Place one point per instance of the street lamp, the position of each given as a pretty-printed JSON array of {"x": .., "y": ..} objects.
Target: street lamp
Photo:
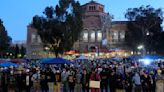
[{"x": 141, "y": 47}]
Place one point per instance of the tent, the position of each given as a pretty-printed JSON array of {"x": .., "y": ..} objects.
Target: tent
[
  {"x": 18, "y": 61},
  {"x": 57, "y": 61},
  {"x": 82, "y": 57},
  {"x": 8, "y": 64},
  {"x": 152, "y": 57},
  {"x": 45, "y": 60},
  {"x": 117, "y": 58}
]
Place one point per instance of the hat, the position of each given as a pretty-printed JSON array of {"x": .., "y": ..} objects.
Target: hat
[
  {"x": 151, "y": 72},
  {"x": 159, "y": 71},
  {"x": 37, "y": 68}
]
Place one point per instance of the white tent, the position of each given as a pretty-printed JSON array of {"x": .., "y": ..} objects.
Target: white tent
[{"x": 82, "y": 57}]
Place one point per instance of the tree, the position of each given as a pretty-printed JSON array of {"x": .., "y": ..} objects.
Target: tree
[
  {"x": 5, "y": 40},
  {"x": 22, "y": 51},
  {"x": 16, "y": 50},
  {"x": 160, "y": 46},
  {"x": 144, "y": 27},
  {"x": 60, "y": 27}
]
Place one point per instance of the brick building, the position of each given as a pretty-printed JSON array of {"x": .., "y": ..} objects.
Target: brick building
[
  {"x": 94, "y": 29},
  {"x": 99, "y": 31}
]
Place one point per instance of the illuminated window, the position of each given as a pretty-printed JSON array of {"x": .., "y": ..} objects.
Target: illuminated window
[
  {"x": 122, "y": 35},
  {"x": 33, "y": 38},
  {"x": 115, "y": 35},
  {"x": 39, "y": 39},
  {"x": 85, "y": 37},
  {"x": 92, "y": 36},
  {"x": 99, "y": 36}
]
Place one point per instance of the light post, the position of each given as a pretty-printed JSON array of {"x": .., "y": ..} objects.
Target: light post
[
  {"x": 141, "y": 48},
  {"x": 47, "y": 51}
]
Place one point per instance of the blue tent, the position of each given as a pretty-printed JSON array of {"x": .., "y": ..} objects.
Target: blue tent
[
  {"x": 134, "y": 57},
  {"x": 45, "y": 60},
  {"x": 117, "y": 58},
  {"x": 8, "y": 64},
  {"x": 153, "y": 57},
  {"x": 57, "y": 61}
]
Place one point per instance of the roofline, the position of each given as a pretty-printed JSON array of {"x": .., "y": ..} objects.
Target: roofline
[{"x": 92, "y": 2}]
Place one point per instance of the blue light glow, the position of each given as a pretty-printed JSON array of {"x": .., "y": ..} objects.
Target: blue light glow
[{"x": 145, "y": 61}]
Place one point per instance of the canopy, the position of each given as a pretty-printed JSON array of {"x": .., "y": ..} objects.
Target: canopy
[
  {"x": 82, "y": 57},
  {"x": 45, "y": 59},
  {"x": 153, "y": 57},
  {"x": 8, "y": 64},
  {"x": 117, "y": 59},
  {"x": 18, "y": 61},
  {"x": 57, "y": 61},
  {"x": 134, "y": 57}
]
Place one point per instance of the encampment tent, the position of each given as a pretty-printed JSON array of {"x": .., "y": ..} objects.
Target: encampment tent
[{"x": 57, "y": 61}]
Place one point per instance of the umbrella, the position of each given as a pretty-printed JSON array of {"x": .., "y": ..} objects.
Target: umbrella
[
  {"x": 57, "y": 61},
  {"x": 8, "y": 64}
]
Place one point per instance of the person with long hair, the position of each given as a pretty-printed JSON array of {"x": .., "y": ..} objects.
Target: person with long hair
[{"x": 95, "y": 77}]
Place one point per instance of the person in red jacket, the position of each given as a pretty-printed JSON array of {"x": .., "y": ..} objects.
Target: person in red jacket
[{"x": 95, "y": 77}]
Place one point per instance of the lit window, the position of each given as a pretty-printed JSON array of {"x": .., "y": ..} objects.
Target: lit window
[
  {"x": 99, "y": 36},
  {"x": 85, "y": 37},
  {"x": 115, "y": 35},
  {"x": 92, "y": 37},
  {"x": 39, "y": 39},
  {"x": 33, "y": 38},
  {"x": 122, "y": 35}
]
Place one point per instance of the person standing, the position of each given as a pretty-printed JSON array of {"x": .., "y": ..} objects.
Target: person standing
[
  {"x": 28, "y": 81},
  {"x": 19, "y": 81},
  {"x": 137, "y": 82},
  {"x": 128, "y": 82},
  {"x": 112, "y": 81},
  {"x": 119, "y": 83},
  {"x": 36, "y": 81},
  {"x": 95, "y": 77},
  {"x": 12, "y": 82},
  {"x": 58, "y": 81},
  {"x": 104, "y": 80},
  {"x": 64, "y": 76},
  {"x": 44, "y": 83},
  {"x": 159, "y": 81},
  {"x": 77, "y": 81},
  {"x": 85, "y": 81},
  {"x": 5, "y": 81},
  {"x": 71, "y": 82},
  {"x": 145, "y": 82},
  {"x": 51, "y": 80},
  {"x": 152, "y": 81}
]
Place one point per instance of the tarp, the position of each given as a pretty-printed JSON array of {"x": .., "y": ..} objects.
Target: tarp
[
  {"x": 82, "y": 57},
  {"x": 134, "y": 57},
  {"x": 153, "y": 57},
  {"x": 117, "y": 58},
  {"x": 18, "y": 61},
  {"x": 57, "y": 61},
  {"x": 8, "y": 64}
]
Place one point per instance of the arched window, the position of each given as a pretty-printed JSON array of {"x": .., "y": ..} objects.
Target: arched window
[
  {"x": 92, "y": 36},
  {"x": 85, "y": 36},
  {"x": 99, "y": 36},
  {"x": 122, "y": 35}
]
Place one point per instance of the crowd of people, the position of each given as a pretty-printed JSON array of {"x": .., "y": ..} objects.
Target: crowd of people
[{"x": 113, "y": 77}]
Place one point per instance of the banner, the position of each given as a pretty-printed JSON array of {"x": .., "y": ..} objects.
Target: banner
[{"x": 94, "y": 84}]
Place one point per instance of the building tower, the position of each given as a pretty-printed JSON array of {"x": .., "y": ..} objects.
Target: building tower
[{"x": 94, "y": 26}]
